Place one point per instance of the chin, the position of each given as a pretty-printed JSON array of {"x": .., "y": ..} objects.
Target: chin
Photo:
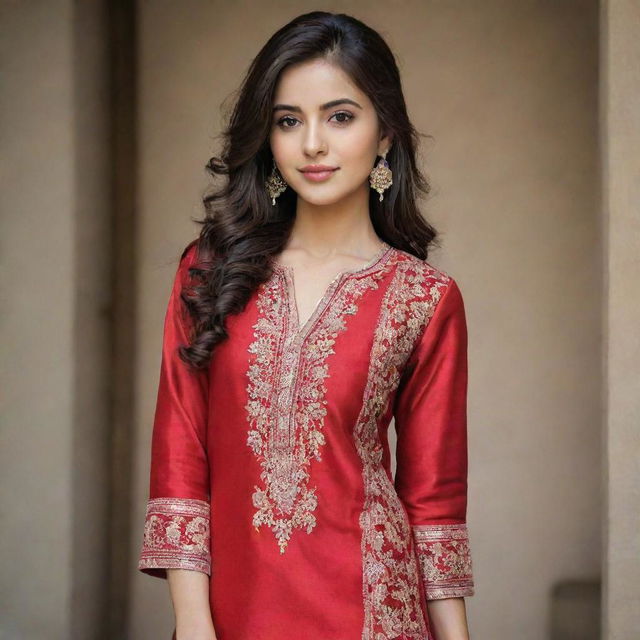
[
  {"x": 320, "y": 200},
  {"x": 318, "y": 197}
]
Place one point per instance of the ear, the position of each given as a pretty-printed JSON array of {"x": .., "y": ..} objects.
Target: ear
[{"x": 384, "y": 143}]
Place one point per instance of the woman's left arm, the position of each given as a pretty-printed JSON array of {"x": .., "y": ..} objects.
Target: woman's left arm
[
  {"x": 448, "y": 617},
  {"x": 431, "y": 454}
]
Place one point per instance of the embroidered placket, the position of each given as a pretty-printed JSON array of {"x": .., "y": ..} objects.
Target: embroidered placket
[{"x": 286, "y": 408}]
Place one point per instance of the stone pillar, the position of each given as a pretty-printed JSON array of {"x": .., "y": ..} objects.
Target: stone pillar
[
  {"x": 55, "y": 283},
  {"x": 620, "y": 144}
]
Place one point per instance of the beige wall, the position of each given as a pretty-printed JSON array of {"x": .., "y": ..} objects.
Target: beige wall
[
  {"x": 55, "y": 287},
  {"x": 38, "y": 434},
  {"x": 620, "y": 100},
  {"x": 509, "y": 90}
]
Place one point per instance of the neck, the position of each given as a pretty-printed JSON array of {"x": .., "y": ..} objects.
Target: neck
[{"x": 340, "y": 228}]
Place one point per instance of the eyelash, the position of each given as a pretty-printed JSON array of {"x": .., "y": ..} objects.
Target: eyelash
[{"x": 280, "y": 122}]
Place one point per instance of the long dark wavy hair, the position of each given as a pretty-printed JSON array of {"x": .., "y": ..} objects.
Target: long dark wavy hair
[{"x": 242, "y": 229}]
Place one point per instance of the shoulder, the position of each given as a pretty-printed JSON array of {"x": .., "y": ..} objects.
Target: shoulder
[
  {"x": 194, "y": 261},
  {"x": 189, "y": 254},
  {"x": 432, "y": 281},
  {"x": 428, "y": 301},
  {"x": 183, "y": 274}
]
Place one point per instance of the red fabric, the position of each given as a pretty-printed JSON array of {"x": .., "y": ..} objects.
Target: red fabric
[
  {"x": 285, "y": 437},
  {"x": 431, "y": 476},
  {"x": 179, "y": 439}
]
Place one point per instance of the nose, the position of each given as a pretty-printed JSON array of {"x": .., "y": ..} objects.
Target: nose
[{"x": 313, "y": 141}]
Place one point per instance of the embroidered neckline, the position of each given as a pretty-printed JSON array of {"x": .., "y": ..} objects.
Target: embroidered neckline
[{"x": 287, "y": 273}]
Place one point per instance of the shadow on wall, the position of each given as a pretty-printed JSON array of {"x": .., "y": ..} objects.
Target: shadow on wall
[{"x": 575, "y": 610}]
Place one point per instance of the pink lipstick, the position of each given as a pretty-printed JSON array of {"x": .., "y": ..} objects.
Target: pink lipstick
[{"x": 318, "y": 172}]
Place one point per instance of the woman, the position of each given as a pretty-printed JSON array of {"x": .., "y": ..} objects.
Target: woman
[{"x": 303, "y": 318}]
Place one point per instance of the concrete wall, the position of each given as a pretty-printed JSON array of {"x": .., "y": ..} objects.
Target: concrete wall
[
  {"x": 55, "y": 247},
  {"x": 620, "y": 100},
  {"x": 509, "y": 90}
]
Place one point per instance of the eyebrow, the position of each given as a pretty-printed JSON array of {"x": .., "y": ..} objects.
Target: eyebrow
[{"x": 323, "y": 107}]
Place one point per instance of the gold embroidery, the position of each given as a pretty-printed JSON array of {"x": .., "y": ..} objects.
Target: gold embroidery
[
  {"x": 445, "y": 560},
  {"x": 391, "y": 575},
  {"x": 176, "y": 535},
  {"x": 286, "y": 407}
]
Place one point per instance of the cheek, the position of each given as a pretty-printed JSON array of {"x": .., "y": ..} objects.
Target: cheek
[
  {"x": 358, "y": 155},
  {"x": 283, "y": 148},
  {"x": 274, "y": 143},
  {"x": 358, "y": 146}
]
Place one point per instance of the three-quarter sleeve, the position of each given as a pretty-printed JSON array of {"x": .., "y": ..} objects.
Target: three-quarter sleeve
[
  {"x": 430, "y": 411},
  {"x": 177, "y": 522}
]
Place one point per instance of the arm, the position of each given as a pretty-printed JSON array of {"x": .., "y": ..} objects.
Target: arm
[
  {"x": 190, "y": 598},
  {"x": 448, "y": 618},
  {"x": 431, "y": 454},
  {"x": 176, "y": 543}
]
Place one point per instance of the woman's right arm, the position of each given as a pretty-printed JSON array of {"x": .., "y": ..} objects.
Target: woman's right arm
[
  {"x": 190, "y": 597},
  {"x": 176, "y": 541}
]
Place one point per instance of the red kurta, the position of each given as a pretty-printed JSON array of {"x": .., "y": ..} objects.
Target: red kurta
[{"x": 271, "y": 473}]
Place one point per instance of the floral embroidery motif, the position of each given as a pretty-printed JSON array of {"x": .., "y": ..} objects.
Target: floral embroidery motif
[
  {"x": 176, "y": 536},
  {"x": 391, "y": 574},
  {"x": 445, "y": 560},
  {"x": 287, "y": 372}
]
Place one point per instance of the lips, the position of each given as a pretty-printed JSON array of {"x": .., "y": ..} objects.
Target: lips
[
  {"x": 318, "y": 175},
  {"x": 317, "y": 168},
  {"x": 318, "y": 172}
]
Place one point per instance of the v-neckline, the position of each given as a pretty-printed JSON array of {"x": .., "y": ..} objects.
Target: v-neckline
[{"x": 287, "y": 272}]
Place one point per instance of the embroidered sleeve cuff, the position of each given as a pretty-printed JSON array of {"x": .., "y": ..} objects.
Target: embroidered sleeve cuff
[
  {"x": 176, "y": 536},
  {"x": 445, "y": 560}
]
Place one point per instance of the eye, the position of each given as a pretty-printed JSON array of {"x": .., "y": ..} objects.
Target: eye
[
  {"x": 342, "y": 117},
  {"x": 282, "y": 120},
  {"x": 345, "y": 114}
]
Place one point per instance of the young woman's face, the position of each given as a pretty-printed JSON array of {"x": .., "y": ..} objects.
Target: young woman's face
[{"x": 321, "y": 118}]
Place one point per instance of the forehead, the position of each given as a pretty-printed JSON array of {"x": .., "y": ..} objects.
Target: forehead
[{"x": 315, "y": 82}]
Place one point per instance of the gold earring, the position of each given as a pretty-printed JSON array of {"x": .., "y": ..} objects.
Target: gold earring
[
  {"x": 275, "y": 184},
  {"x": 381, "y": 177}
]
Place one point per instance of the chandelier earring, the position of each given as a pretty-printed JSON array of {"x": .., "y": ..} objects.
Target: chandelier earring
[
  {"x": 381, "y": 177},
  {"x": 275, "y": 184}
]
